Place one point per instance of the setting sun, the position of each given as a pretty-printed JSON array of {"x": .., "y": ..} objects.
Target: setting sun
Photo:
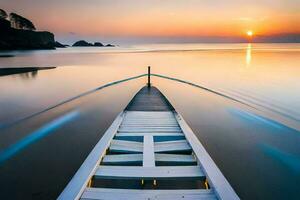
[{"x": 250, "y": 33}]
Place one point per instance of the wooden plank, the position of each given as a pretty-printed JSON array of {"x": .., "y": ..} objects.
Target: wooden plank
[
  {"x": 150, "y": 123},
  {"x": 148, "y": 152},
  {"x": 116, "y": 194},
  {"x": 149, "y": 131},
  {"x": 122, "y": 159},
  {"x": 175, "y": 158},
  {"x": 149, "y": 126},
  {"x": 166, "y": 118},
  {"x": 152, "y": 134},
  {"x": 150, "y": 173},
  {"x": 125, "y": 146},
  {"x": 151, "y": 113},
  {"x": 215, "y": 177},
  {"x": 158, "y": 137},
  {"x": 152, "y": 116},
  {"x": 76, "y": 186},
  {"x": 172, "y": 146}
]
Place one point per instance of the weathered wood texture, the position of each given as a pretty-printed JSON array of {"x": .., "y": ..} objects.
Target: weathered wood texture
[{"x": 149, "y": 99}]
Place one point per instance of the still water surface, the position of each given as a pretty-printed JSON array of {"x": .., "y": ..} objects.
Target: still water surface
[{"x": 255, "y": 146}]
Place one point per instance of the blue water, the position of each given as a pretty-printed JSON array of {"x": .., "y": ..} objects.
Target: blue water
[
  {"x": 248, "y": 116},
  {"x": 292, "y": 162},
  {"x": 37, "y": 135}
]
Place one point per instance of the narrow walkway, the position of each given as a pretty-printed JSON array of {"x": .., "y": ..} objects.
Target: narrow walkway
[
  {"x": 149, "y": 156},
  {"x": 149, "y": 99}
]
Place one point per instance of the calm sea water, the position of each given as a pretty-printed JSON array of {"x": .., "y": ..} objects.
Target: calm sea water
[{"x": 256, "y": 145}]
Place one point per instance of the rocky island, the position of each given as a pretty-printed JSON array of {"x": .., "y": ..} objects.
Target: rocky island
[{"x": 83, "y": 43}]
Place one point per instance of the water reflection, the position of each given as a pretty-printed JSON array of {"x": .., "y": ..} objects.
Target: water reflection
[
  {"x": 37, "y": 135},
  {"x": 248, "y": 54},
  {"x": 289, "y": 160},
  {"x": 232, "y": 139},
  {"x": 29, "y": 75}
]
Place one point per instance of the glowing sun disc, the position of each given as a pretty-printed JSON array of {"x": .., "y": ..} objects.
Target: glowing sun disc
[{"x": 249, "y": 33}]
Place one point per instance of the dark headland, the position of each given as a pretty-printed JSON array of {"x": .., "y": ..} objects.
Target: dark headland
[{"x": 19, "y": 33}]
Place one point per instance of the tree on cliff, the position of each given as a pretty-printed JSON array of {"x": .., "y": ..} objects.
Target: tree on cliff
[
  {"x": 3, "y": 14},
  {"x": 20, "y": 22}
]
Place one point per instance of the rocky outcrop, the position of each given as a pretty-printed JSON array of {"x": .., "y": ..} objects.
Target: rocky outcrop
[
  {"x": 23, "y": 36},
  {"x": 59, "y": 45},
  {"x": 110, "y": 45},
  {"x": 83, "y": 43},
  {"x": 98, "y": 44}
]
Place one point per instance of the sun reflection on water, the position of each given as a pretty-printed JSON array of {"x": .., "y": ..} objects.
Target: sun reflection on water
[{"x": 248, "y": 54}]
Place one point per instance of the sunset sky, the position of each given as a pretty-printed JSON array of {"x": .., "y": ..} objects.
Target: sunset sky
[{"x": 188, "y": 19}]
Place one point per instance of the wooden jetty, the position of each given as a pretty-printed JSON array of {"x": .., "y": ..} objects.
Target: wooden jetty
[{"x": 148, "y": 152}]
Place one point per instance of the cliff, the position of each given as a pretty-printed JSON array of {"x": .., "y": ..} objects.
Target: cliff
[{"x": 24, "y": 36}]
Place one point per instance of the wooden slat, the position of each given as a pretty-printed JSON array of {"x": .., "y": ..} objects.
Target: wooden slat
[
  {"x": 116, "y": 194},
  {"x": 149, "y": 125},
  {"x": 148, "y": 152},
  {"x": 152, "y": 118},
  {"x": 150, "y": 131},
  {"x": 149, "y": 173},
  {"x": 158, "y": 137},
  {"x": 149, "y": 122},
  {"x": 152, "y": 134},
  {"x": 172, "y": 146},
  {"x": 149, "y": 128},
  {"x": 122, "y": 159},
  {"x": 125, "y": 146},
  {"x": 175, "y": 158},
  {"x": 151, "y": 113}
]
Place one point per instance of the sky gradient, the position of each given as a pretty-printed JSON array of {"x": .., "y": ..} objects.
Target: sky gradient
[{"x": 187, "y": 19}]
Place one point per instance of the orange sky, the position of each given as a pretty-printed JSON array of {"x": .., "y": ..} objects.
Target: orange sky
[{"x": 188, "y": 18}]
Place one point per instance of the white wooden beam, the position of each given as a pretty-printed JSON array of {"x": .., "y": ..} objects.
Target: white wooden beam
[
  {"x": 116, "y": 194},
  {"x": 149, "y": 173},
  {"x": 148, "y": 152}
]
